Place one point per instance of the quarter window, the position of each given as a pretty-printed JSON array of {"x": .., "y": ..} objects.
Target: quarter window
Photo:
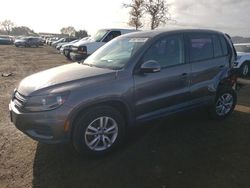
[
  {"x": 200, "y": 47},
  {"x": 167, "y": 51}
]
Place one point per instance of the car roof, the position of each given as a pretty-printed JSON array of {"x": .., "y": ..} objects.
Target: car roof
[
  {"x": 120, "y": 29},
  {"x": 150, "y": 34}
]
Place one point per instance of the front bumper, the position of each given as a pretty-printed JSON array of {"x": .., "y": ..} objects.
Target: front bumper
[{"x": 46, "y": 127}]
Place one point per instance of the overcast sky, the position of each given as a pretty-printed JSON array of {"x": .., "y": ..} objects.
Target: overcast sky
[{"x": 231, "y": 16}]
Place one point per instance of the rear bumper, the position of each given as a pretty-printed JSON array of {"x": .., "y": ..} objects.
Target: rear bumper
[{"x": 46, "y": 127}]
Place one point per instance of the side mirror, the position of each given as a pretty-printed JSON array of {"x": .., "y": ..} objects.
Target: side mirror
[{"x": 150, "y": 66}]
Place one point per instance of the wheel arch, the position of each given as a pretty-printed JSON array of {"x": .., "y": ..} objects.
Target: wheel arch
[
  {"x": 119, "y": 105},
  {"x": 227, "y": 79}
]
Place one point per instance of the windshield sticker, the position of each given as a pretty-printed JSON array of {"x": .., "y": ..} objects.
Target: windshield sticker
[{"x": 138, "y": 40}]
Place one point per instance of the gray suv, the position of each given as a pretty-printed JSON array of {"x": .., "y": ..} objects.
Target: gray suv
[{"x": 134, "y": 78}]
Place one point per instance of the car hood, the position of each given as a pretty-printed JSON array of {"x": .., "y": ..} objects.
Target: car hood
[
  {"x": 82, "y": 42},
  {"x": 19, "y": 40},
  {"x": 242, "y": 54},
  {"x": 59, "y": 75}
]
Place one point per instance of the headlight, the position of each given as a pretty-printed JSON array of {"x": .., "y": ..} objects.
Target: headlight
[
  {"x": 47, "y": 102},
  {"x": 82, "y": 49}
]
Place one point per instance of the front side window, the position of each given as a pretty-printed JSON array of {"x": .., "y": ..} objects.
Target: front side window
[
  {"x": 167, "y": 52},
  {"x": 112, "y": 35},
  {"x": 200, "y": 47}
]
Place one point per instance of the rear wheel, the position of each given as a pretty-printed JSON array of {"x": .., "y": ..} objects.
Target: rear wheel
[
  {"x": 98, "y": 131},
  {"x": 224, "y": 103}
]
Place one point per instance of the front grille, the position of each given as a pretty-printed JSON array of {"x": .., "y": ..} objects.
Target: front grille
[{"x": 19, "y": 100}]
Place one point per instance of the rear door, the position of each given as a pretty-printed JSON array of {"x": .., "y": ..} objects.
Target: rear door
[
  {"x": 161, "y": 92},
  {"x": 208, "y": 61}
]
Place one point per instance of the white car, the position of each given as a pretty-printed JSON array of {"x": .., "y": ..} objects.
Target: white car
[
  {"x": 243, "y": 58},
  {"x": 83, "y": 49}
]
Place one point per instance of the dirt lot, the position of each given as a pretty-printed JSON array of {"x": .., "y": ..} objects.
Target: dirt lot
[{"x": 188, "y": 152}]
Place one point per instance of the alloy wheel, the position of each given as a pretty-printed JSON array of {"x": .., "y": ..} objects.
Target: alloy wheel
[
  {"x": 101, "y": 133},
  {"x": 224, "y": 104}
]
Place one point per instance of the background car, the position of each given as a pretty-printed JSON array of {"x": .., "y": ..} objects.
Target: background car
[
  {"x": 83, "y": 49},
  {"x": 50, "y": 40},
  {"x": 66, "y": 48},
  {"x": 28, "y": 42},
  {"x": 5, "y": 40},
  {"x": 243, "y": 58},
  {"x": 58, "y": 45}
]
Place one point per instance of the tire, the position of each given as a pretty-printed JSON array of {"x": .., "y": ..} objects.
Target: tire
[
  {"x": 91, "y": 137},
  {"x": 224, "y": 104},
  {"x": 244, "y": 69}
]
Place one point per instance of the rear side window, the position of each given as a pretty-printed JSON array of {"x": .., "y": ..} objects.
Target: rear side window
[
  {"x": 200, "y": 47},
  {"x": 224, "y": 45},
  {"x": 217, "y": 46}
]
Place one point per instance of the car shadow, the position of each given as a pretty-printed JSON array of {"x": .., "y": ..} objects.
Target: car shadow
[{"x": 185, "y": 150}]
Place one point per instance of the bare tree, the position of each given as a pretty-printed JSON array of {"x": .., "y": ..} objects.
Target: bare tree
[
  {"x": 136, "y": 13},
  {"x": 7, "y": 25},
  {"x": 158, "y": 11},
  {"x": 70, "y": 31}
]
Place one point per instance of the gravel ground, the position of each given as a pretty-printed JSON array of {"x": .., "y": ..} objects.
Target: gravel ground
[{"x": 191, "y": 151}]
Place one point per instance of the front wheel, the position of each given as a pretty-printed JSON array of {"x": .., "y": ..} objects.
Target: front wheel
[
  {"x": 98, "y": 131},
  {"x": 224, "y": 103}
]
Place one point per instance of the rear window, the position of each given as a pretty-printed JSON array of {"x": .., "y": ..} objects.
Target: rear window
[{"x": 200, "y": 47}]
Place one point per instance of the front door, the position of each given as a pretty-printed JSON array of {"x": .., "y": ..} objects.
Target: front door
[{"x": 158, "y": 93}]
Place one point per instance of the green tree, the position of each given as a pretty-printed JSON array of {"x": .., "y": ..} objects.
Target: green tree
[
  {"x": 70, "y": 31},
  {"x": 22, "y": 30},
  {"x": 81, "y": 34}
]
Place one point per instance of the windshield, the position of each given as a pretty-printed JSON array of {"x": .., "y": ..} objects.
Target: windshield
[
  {"x": 99, "y": 35},
  {"x": 116, "y": 53},
  {"x": 242, "y": 48}
]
